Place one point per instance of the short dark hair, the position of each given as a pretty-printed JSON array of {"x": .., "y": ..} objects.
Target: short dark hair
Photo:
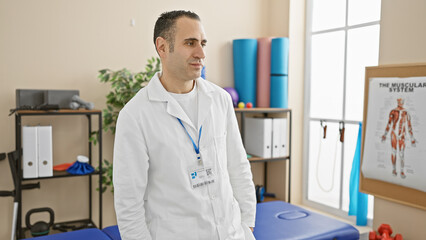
[{"x": 165, "y": 26}]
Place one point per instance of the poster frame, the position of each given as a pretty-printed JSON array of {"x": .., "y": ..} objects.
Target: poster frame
[{"x": 389, "y": 191}]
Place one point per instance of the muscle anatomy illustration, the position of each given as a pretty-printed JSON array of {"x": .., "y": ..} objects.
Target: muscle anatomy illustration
[{"x": 399, "y": 124}]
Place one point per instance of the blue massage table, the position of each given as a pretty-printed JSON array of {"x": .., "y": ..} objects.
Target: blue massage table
[
  {"x": 84, "y": 234},
  {"x": 280, "y": 220},
  {"x": 274, "y": 221},
  {"x": 112, "y": 232},
  {"x": 108, "y": 233}
]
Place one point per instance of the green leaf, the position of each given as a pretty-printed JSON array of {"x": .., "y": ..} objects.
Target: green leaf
[{"x": 124, "y": 86}]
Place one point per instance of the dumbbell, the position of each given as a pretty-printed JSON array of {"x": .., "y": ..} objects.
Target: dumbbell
[
  {"x": 385, "y": 231},
  {"x": 77, "y": 102}
]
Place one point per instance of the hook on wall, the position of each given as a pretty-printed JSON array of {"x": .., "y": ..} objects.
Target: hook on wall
[
  {"x": 342, "y": 131},
  {"x": 324, "y": 127}
]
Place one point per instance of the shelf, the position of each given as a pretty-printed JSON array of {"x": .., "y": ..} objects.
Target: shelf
[
  {"x": 270, "y": 199},
  {"x": 59, "y": 112},
  {"x": 61, "y": 174},
  {"x": 242, "y": 114},
  {"x": 19, "y": 115},
  {"x": 261, "y": 110},
  {"x": 260, "y": 159},
  {"x": 80, "y": 224}
]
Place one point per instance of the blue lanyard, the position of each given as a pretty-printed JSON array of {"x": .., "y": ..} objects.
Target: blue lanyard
[{"x": 196, "y": 148}]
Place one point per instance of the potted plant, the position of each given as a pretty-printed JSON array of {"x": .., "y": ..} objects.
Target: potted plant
[{"x": 124, "y": 85}]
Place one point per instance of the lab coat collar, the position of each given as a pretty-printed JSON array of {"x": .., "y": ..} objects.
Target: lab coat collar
[
  {"x": 205, "y": 92},
  {"x": 157, "y": 92}
]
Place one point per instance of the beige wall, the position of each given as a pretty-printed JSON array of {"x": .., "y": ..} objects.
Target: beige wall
[
  {"x": 62, "y": 44},
  {"x": 402, "y": 40},
  {"x": 291, "y": 25},
  {"x": 296, "y": 95}
]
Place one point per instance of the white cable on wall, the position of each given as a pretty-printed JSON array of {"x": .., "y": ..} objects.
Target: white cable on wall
[{"x": 334, "y": 165}]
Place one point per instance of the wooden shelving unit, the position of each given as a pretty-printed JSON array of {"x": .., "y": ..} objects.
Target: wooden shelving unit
[{"x": 266, "y": 112}]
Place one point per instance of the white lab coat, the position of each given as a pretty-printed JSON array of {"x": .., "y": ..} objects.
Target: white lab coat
[{"x": 152, "y": 159}]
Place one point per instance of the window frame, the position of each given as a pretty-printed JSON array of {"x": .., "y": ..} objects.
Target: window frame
[{"x": 307, "y": 118}]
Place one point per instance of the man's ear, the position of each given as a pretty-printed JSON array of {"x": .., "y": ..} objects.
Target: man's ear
[{"x": 162, "y": 46}]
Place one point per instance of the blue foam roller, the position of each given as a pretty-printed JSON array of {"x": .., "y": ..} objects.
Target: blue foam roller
[
  {"x": 245, "y": 69},
  {"x": 279, "y": 56},
  {"x": 279, "y": 92}
]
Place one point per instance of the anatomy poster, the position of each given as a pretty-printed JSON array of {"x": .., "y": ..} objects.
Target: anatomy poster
[{"x": 395, "y": 136}]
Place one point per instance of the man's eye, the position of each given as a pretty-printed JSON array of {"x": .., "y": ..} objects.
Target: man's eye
[{"x": 189, "y": 43}]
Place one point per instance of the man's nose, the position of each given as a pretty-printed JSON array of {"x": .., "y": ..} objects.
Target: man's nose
[{"x": 199, "y": 52}]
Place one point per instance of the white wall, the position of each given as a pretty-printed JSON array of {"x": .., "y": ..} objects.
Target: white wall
[{"x": 402, "y": 40}]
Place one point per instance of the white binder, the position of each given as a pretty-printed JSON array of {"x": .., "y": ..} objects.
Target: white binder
[
  {"x": 276, "y": 134},
  {"x": 283, "y": 139},
  {"x": 279, "y": 137},
  {"x": 29, "y": 152},
  {"x": 258, "y": 136},
  {"x": 45, "y": 164}
]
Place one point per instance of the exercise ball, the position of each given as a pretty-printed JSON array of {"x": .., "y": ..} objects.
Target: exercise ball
[{"x": 234, "y": 95}]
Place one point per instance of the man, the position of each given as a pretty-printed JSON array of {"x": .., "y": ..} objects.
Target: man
[
  {"x": 180, "y": 169},
  {"x": 400, "y": 121}
]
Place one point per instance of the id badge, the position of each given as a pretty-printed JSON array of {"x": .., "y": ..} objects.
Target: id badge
[{"x": 201, "y": 176}]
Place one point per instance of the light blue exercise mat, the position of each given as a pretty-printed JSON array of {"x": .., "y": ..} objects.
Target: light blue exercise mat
[
  {"x": 279, "y": 72},
  {"x": 245, "y": 69},
  {"x": 279, "y": 56},
  {"x": 279, "y": 92}
]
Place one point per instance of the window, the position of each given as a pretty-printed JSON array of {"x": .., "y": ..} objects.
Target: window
[{"x": 342, "y": 39}]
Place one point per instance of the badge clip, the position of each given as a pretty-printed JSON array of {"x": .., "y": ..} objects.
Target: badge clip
[{"x": 200, "y": 161}]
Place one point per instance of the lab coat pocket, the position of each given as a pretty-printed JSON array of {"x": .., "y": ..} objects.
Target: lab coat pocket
[
  {"x": 178, "y": 228},
  {"x": 248, "y": 234},
  {"x": 237, "y": 214},
  {"x": 220, "y": 144}
]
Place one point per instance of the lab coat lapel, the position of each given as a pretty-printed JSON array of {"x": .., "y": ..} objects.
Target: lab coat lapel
[
  {"x": 204, "y": 101},
  {"x": 157, "y": 92}
]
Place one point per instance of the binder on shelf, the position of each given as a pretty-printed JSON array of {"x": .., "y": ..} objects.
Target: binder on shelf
[
  {"x": 279, "y": 137},
  {"x": 258, "y": 136},
  {"x": 276, "y": 134},
  {"x": 283, "y": 138},
  {"x": 45, "y": 165},
  {"x": 29, "y": 152}
]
